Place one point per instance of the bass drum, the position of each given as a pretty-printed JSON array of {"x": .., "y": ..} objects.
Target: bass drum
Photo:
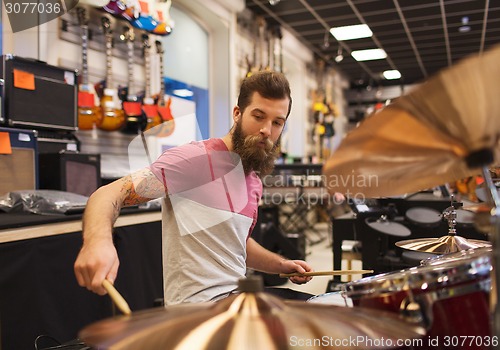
[
  {"x": 333, "y": 298},
  {"x": 451, "y": 295}
]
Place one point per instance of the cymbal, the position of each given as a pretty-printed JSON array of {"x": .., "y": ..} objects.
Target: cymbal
[
  {"x": 248, "y": 320},
  {"x": 442, "y": 245},
  {"x": 441, "y": 131}
]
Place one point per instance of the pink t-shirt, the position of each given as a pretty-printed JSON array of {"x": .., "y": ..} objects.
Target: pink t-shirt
[{"x": 209, "y": 212}]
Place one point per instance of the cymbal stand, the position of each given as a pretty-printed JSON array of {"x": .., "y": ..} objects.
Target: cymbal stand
[{"x": 494, "y": 201}]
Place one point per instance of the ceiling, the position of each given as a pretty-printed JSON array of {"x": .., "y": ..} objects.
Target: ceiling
[{"x": 420, "y": 37}]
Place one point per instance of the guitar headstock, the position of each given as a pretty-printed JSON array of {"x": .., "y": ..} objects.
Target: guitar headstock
[
  {"x": 145, "y": 41},
  {"x": 82, "y": 16},
  {"x": 159, "y": 48},
  {"x": 106, "y": 25},
  {"x": 128, "y": 34}
]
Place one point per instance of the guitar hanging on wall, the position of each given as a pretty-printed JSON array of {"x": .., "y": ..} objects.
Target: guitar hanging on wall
[
  {"x": 89, "y": 113},
  {"x": 113, "y": 116},
  {"x": 148, "y": 104},
  {"x": 135, "y": 120}
]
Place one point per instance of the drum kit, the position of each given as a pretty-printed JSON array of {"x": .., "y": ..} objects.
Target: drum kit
[{"x": 446, "y": 129}]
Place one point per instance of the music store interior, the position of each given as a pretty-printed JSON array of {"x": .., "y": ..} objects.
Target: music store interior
[{"x": 385, "y": 182}]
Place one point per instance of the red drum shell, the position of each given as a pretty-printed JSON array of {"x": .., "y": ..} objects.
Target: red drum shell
[{"x": 453, "y": 295}]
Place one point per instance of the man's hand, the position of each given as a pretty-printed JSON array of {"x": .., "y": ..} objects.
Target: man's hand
[
  {"x": 300, "y": 266},
  {"x": 96, "y": 262}
]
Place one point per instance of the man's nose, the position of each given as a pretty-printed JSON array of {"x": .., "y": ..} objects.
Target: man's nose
[{"x": 266, "y": 130}]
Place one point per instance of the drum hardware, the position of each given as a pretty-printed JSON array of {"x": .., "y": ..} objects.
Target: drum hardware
[
  {"x": 250, "y": 319},
  {"x": 446, "y": 244}
]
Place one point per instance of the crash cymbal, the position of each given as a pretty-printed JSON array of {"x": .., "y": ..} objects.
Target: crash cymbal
[
  {"x": 441, "y": 131},
  {"x": 249, "y": 320},
  {"x": 442, "y": 245}
]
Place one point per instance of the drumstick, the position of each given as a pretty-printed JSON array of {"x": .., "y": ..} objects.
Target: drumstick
[
  {"x": 116, "y": 297},
  {"x": 327, "y": 273}
]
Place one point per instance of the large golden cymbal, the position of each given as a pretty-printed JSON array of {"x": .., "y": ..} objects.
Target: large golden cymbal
[
  {"x": 249, "y": 321},
  {"x": 444, "y": 130},
  {"x": 443, "y": 245}
]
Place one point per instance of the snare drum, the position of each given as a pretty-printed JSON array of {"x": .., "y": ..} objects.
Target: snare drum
[
  {"x": 333, "y": 298},
  {"x": 452, "y": 295},
  {"x": 424, "y": 217}
]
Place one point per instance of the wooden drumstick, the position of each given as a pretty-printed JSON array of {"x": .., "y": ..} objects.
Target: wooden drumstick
[
  {"x": 327, "y": 273},
  {"x": 116, "y": 297}
]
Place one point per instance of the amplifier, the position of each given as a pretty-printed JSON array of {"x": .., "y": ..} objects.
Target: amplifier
[
  {"x": 18, "y": 160},
  {"x": 71, "y": 172},
  {"x": 37, "y": 95}
]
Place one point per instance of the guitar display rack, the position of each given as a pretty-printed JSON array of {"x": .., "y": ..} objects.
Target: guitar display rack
[{"x": 70, "y": 31}]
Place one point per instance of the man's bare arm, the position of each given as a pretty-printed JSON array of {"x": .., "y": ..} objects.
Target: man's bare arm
[{"x": 97, "y": 259}]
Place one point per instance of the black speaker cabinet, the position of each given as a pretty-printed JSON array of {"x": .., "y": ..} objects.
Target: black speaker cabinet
[
  {"x": 19, "y": 166},
  {"x": 70, "y": 172},
  {"x": 35, "y": 94}
]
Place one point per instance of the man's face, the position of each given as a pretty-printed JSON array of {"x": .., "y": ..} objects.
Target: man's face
[{"x": 257, "y": 132}]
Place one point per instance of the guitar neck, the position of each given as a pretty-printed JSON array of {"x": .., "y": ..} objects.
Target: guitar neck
[
  {"x": 161, "y": 99},
  {"x": 85, "y": 68},
  {"x": 147, "y": 67},
  {"x": 109, "y": 58},
  {"x": 130, "y": 47}
]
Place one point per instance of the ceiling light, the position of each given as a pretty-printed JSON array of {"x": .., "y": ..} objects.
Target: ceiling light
[
  {"x": 326, "y": 43},
  {"x": 339, "y": 56},
  {"x": 351, "y": 32},
  {"x": 368, "y": 55},
  {"x": 391, "y": 74},
  {"x": 274, "y": 2}
]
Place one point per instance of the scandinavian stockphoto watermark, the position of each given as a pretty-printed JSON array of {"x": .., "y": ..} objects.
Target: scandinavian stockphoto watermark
[
  {"x": 311, "y": 189},
  {"x": 28, "y": 14}
]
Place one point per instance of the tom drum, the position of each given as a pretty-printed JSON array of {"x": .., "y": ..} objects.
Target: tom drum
[{"x": 450, "y": 295}]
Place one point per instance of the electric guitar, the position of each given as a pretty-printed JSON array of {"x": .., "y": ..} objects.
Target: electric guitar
[
  {"x": 134, "y": 119},
  {"x": 162, "y": 106},
  {"x": 145, "y": 21},
  {"x": 148, "y": 104},
  {"x": 115, "y": 7},
  {"x": 113, "y": 116},
  {"x": 89, "y": 113},
  {"x": 165, "y": 22}
]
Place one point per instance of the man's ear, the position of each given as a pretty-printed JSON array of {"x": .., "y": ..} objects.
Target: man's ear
[{"x": 236, "y": 113}]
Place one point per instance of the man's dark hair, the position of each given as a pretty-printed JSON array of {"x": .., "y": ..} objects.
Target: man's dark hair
[{"x": 269, "y": 84}]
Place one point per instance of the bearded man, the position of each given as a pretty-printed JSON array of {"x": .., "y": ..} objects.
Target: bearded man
[{"x": 211, "y": 191}]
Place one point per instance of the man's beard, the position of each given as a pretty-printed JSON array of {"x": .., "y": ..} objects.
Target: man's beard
[{"x": 253, "y": 156}]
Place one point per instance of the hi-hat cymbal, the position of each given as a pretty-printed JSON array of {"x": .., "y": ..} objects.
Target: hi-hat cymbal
[
  {"x": 443, "y": 130},
  {"x": 249, "y": 321},
  {"x": 443, "y": 245}
]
